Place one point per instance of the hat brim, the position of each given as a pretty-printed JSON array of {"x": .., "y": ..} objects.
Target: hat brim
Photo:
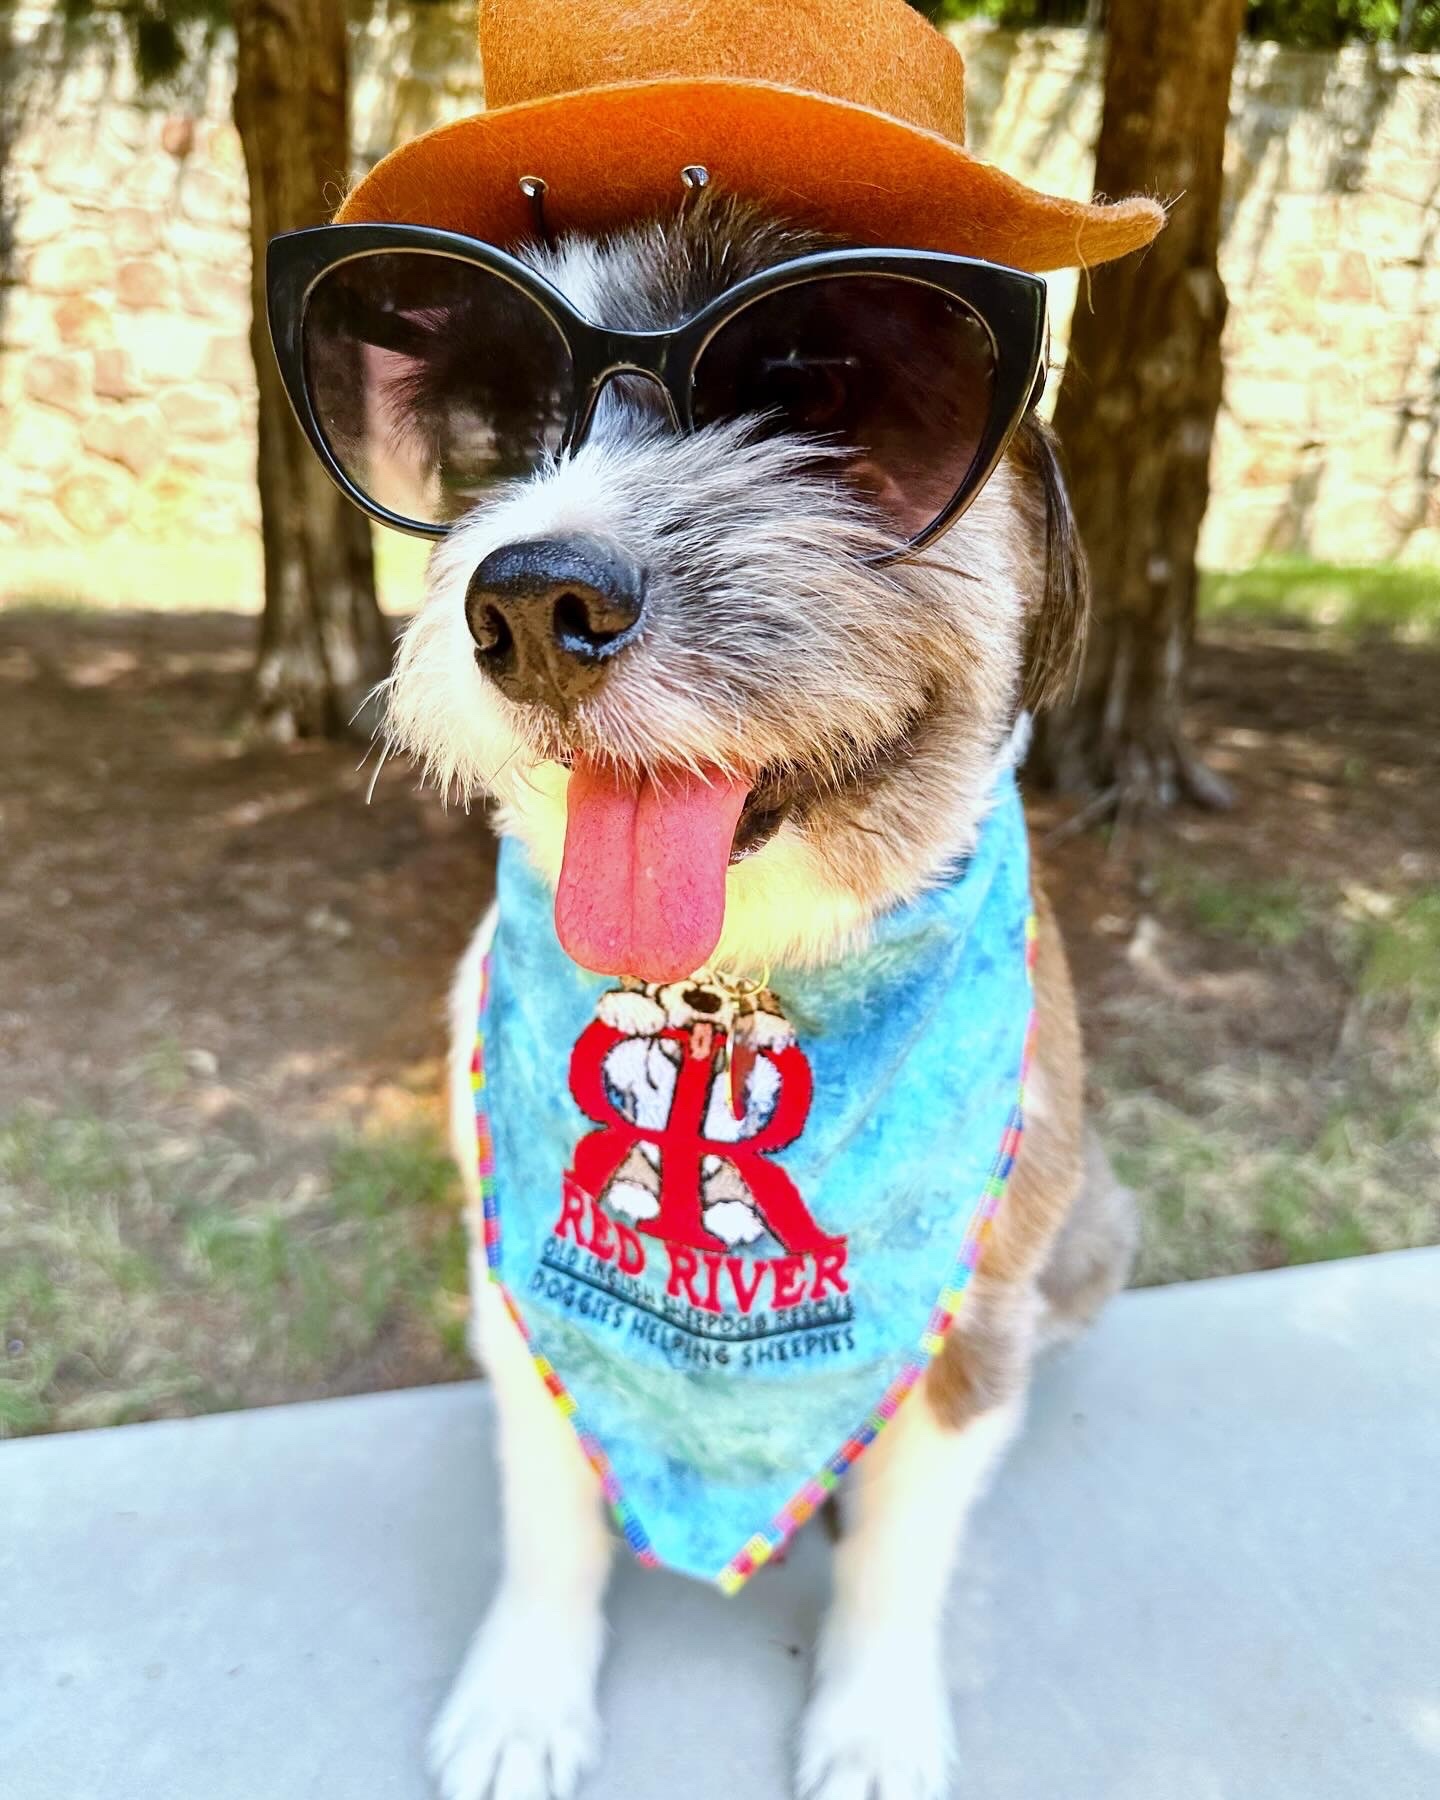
[{"x": 613, "y": 154}]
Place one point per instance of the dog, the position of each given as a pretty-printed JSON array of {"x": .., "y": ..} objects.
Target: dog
[
  {"x": 877, "y": 701},
  {"x": 752, "y": 554},
  {"x": 642, "y": 1070}
]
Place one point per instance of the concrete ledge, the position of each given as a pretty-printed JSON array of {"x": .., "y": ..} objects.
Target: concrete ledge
[{"x": 1210, "y": 1572}]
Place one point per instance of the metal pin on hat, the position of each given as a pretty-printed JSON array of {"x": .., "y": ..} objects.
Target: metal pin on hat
[
  {"x": 694, "y": 178},
  {"x": 535, "y": 188}
]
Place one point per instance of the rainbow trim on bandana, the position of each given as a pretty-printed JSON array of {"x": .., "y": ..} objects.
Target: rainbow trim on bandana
[
  {"x": 816, "y": 1491},
  {"x": 764, "y": 1545}
]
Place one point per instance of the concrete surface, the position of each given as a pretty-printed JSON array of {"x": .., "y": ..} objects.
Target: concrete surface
[{"x": 1210, "y": 1572}]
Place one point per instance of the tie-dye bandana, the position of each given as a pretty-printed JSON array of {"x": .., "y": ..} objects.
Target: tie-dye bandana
[{"x": 735, "y": 1222}]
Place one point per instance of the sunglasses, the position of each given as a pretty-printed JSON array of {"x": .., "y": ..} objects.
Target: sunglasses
[{"x": 427, "y": 368}]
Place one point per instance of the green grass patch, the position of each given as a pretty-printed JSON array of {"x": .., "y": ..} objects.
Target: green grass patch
[
  {"x": 1270, "y": 914},
  {"x": 45, "y": 600},
  {"x": 1222, "y": 1191},
  {"x": 149, "y": 1273},
  {"x": 1326, "y": 1147},
  {"x": 1385, "y": 599},
  {"x": 1399, "y": 953},
  {"x": 129, "y": 574}
]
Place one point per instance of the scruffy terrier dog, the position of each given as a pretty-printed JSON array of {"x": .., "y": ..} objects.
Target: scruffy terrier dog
[
  {"x": 752, "y": 554},
  {"x": 874, "y": 705}
]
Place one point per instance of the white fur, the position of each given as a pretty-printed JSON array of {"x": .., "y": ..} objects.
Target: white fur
[
  {"x": 779, "y": 905},
  {"x": 878, "y": 1724},
  {"x": 504, "y": 1732},
  {"x": 521, "y": 1721}
]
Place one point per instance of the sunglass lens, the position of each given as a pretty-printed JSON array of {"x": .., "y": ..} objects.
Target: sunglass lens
[
  {"x": 896, "y": 378},
  {"x": 432, "y": 380}
]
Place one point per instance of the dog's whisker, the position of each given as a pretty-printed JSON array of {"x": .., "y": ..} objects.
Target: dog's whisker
[
  {"x": 497, "y": 772},
  {"x": 379, "y": 768},
  {"x": 380, "y": 688}
]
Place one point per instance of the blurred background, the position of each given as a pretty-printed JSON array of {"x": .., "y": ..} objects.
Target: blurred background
[{"x": 222, "y": 1174}]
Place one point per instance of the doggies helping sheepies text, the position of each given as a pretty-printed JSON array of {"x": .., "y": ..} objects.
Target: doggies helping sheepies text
[
  {"x": 866, "y": 711},
  {"x": 751, "y": 553}
]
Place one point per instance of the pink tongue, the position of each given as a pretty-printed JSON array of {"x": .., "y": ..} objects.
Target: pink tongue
[{"x": 642, "y": 885}]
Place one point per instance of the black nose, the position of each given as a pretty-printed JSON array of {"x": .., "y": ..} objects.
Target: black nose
[{"x": 549, "y": 615}]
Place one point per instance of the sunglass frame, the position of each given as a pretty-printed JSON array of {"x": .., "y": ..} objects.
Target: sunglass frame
[{"x": 1009, "y": 303}]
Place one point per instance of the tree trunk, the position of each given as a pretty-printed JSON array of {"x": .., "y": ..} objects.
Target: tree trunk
[
  {"x": 1136, "y": 411},
  {"x": 323, "y": 640}
]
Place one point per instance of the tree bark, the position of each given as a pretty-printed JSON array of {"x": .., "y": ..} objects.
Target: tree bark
[
  {"x": 1137, "y": 405},
  {"x": 324, "y": 642}
]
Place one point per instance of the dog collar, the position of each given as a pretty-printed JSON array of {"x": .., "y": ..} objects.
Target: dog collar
[{"x": 734, "y": 1225}]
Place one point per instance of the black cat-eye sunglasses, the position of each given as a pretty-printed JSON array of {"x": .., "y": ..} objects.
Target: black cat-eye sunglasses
[{"x": 426, "y": 367}]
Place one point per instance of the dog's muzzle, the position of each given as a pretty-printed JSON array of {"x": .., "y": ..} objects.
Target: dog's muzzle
[{"x": 550, "y": 615}]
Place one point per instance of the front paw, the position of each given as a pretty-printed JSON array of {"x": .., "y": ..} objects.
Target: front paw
[
  {"x": 733, "y": 1222},
  {"x": 630, "y": 1198},
  {"x": 520, "y": 1721},
  {"x": 634, "y": 1014},
  {"x": 877, "y": 1729}
]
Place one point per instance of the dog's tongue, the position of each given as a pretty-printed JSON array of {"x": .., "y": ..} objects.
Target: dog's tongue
[{"x": 642, "y": 885}]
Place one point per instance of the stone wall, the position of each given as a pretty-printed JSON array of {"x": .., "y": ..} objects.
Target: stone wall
[
  {"x": 128, "y": 395},
  {"x": 126, "y": 381},
  {"x": 127, "y": 389},
  {"x": 1329, "y": 441}
]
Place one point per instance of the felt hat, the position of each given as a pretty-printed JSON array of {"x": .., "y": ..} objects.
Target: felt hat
[{"x": 845, "y": 115}]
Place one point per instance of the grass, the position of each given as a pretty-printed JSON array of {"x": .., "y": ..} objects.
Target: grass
[
  {"x": 1275, "y": 1157},
  {"x": 149, "y": 1273},
  {"x": 1398, "y": 951},
  {"x": 1391, "y": 599},
  {"x": 138, "y": 574},
  {"x": 1270, "y": 914}
]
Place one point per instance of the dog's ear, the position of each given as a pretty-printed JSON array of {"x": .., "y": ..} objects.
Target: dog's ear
[{"x": 1056, "y": 639}]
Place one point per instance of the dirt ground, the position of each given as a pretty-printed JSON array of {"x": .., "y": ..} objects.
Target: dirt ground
[{"x": 221, "y": 980}]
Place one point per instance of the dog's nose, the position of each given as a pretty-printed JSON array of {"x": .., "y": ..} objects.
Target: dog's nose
[{"x": 550, "y": 614}]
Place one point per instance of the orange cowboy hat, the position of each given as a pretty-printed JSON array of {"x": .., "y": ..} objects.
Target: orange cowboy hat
[{"x": 844, "y": 115}]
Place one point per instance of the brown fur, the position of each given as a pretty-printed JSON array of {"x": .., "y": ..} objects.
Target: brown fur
[
  {"x": 1047, "y": 1171},
  {"x": 1054, "y": 1203},
  {"x": 1056, "y": 639}
]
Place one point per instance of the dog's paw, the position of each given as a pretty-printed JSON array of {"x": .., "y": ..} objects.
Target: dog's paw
[
  {"x": 630, "y": 1198},
  {"x": 520, "y": 1721},
  {"x": 637, "y": 1015},
  {"x": 880, "y": 1731},
  {"x": 733, "y": 1222},
  {"x": 769, "y": 1031}
]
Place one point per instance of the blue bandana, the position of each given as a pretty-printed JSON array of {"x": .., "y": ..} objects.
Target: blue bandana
[{"x": 733, "y": 1222}]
